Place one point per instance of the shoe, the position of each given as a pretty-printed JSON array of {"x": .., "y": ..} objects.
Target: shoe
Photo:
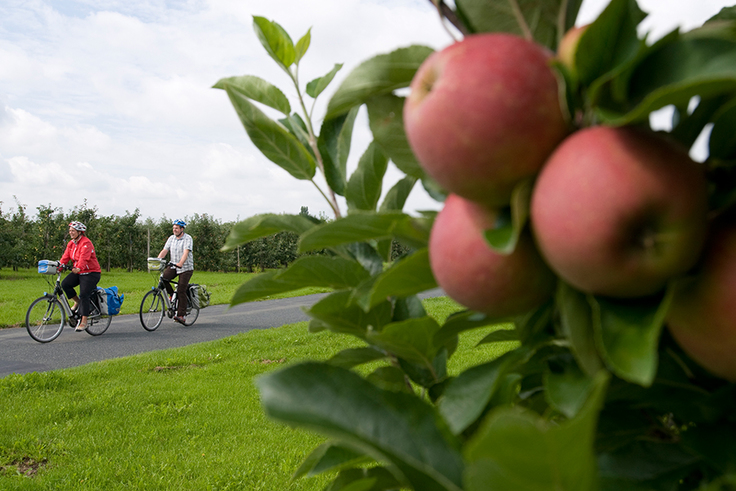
[
  {"x": 80, "y": 327},
  {"x": 180, "y": 319}
]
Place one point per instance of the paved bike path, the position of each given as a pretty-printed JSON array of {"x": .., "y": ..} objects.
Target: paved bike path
[{"x": 125, "y": 336}]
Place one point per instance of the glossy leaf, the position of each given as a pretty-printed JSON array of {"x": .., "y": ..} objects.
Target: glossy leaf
[
  {"x": 371, "y": 479},
  {"x": 512, "y": 220},
  {"x": 396, "y": 197},
  {"x": 257, "y": 89},
  {"x": 272, "y": 139},
  {"x": 390, "y": 378},
  {"x": 541, "y": 20},
  {"x": 339, "y": 313},
  {"x": 386, "y": 120},
  {"x": 466, "y": 397},
  {"x": 410, "y": 340},
  {"x": 327, "y": 457},
  {"x": 318, "y": 85},
  {"x": 628, "y": 334},
  {"x": 334, "y": 147},
  {"x": 302, "y": 46},
  {"x": 365, "y": 184},
  {"x": 409, "y": 276},
  {"x": 359, "y": 227},
  {"x": 277, "y": 42},
  {"x": 390, "y": 427},
  {"x": 722, "y": 141},
  {"x": 264, "y": 225},
  {"x": 379, "y": 75},
  {"x": 352, "y": 357},
  {"x": 517, "y": 449},
  {"x": 576, "y": 322},
  {"x": 567, "y": 387},
  {"x": 678, "y": 71},
  {"x": 460, "y": 322},
  {"x": 332, "y": 272}
]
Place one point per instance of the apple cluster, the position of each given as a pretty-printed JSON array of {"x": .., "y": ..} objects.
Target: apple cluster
[{"x": 615, "y": 211}]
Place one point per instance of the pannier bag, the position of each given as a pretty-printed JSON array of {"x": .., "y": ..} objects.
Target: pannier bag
[
  {"x": 199, "y": 296},
  {"x": 156, "y": 264},
  {"x": 48, "y": 267},
  {"x": 110, "y": 301}
]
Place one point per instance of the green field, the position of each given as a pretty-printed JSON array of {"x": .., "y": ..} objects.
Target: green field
[{"x": 186, "y": 418}]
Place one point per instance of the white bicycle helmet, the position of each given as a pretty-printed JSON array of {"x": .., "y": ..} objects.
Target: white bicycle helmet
[{"x": 78, "y": 226}]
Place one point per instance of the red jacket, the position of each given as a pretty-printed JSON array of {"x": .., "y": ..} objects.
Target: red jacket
[{"x": 82, "y": 254}]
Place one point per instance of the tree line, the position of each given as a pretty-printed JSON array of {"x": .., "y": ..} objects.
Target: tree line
[{"x": 126, "y": 241}]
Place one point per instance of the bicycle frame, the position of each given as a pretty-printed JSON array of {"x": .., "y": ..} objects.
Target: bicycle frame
[{"x": 58, "y": 293}]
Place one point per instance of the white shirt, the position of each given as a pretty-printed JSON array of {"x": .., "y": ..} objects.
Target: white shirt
[{"x": 176, "y": 246}]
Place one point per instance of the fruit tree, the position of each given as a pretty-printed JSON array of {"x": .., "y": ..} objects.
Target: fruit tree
[{"x": 604, "y": 247}]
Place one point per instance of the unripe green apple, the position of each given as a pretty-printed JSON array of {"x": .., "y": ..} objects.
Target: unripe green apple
[
  {"x": 702, "y": 318},
  {"x": 474, "y": 275},
  {"x": 484, "y": 114},
  {"x": 619, "y": 211}
]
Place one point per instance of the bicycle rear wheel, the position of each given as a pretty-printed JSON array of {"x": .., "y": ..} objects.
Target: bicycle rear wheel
[
  {"x": 152, "y": 310},
  {"x": 45, "y": 319},
  {"x": 192, "y": 312},
  {"x": 96, "y": 322}
]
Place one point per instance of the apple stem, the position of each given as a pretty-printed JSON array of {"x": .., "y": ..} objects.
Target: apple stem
[{"x": 446, "y": 12}]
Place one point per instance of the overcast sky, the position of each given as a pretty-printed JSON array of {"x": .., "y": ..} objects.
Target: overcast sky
[{"x": 110, "y": 101}]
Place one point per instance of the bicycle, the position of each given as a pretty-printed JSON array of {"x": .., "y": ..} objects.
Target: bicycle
[
  {"x": 156, "y": 302},
  {"x": 47, "y": 315}
]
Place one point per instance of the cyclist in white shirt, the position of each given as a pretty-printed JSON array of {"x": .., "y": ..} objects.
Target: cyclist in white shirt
[{"x": 180, "y": 246}]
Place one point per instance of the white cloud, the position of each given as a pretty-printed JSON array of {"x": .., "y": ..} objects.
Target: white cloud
[{"x": 111, "y": 100}]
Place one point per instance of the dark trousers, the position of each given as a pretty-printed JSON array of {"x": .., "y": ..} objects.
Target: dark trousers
[
  {"x": 87, "y": 284},
  {"x": 181, "y": 288}
]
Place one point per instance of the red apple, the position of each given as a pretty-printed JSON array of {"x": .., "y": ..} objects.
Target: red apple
[
  {"x": 484, "y": 114},
  {"x": 619, "y": 211},
  {"x": 474, "y": 275},
  {"x": 702, "y": 318}
]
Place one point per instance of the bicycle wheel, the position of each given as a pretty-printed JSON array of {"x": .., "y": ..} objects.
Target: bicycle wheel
[
  {"x": 45, "y": 319},
  {"x": 192, "y": 312},
  {"x": 96, "y": 322},
  {"x": 152, "y": 310}
]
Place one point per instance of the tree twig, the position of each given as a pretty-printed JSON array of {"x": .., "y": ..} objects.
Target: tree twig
[{"x": 447, "y": 13}]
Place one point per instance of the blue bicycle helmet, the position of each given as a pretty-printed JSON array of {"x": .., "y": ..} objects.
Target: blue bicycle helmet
[{"x": 181, "y": 223}]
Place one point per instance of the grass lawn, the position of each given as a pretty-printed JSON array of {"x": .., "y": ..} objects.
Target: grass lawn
[{"x": 180, "y": 419}]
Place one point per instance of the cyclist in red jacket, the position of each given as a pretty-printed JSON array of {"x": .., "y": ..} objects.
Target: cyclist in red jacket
[{"x": 85, "y": 271}]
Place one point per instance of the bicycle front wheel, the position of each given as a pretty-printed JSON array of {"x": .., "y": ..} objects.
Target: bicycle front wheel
[
  {"x": 152, "y": 310},
  {"x": 45, "y": 319},
  {"x": 96, "y": 322}
]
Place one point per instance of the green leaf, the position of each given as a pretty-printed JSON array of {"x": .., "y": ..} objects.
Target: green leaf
[
  {"x": 338, "y": 313},
  {"x": 264, "y": 225},
  {"x": 459, "y": 322},
  {"x": 365, "y": 184},
  {"x": 272, "y": 139},
  {"x": 467, "y": 396},
  {"x": 277, "y": 42},
  {"x": 257, "y": 89},
  {"x": 296, "y": 126},
  {"x": 381, "y": 74},
  {"x": 566, "y": 387},
  {"x": 390, "y": 427},
  {"x": 511, "y": 221},
  {"x": 302, "y": 46},
  {"x": 517, "y": 449},
  {"x": 386, "y": 120},
  {"x": 390, "y": 378},
  {"x": 410, "y": 340},
  {"x": 409, "y": 276},
  {"x": 627, "y": 332},
  {"x": 722, "y": 141},
  {"x": 318, "y": 85},
  {"x": 328, "y": 457},
  {"x": 501, "y": 336},
  {"x": 396, "y": 197},
  {"x": 361, "y": 227},
  {"x": 576, "y": 323},
  {"x": 352, "y": 357},
  {"x": 371, "y": 479},
  {"x": 540, "y": 19},
  {"x": 678, "y": 71},
  {"x": 334, "y": 146},
  {"x": 609, "y": 42},
  {"x": 332, "y": 272}
]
